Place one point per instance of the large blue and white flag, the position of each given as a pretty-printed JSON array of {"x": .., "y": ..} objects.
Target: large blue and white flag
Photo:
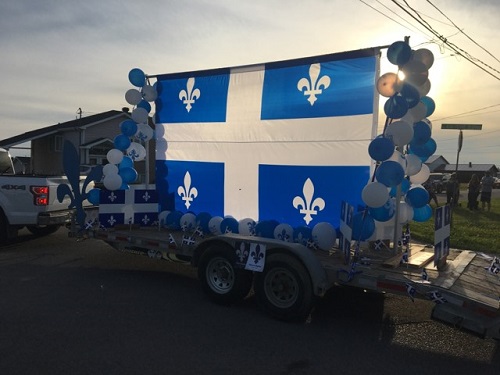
[{"x": 284, "y": 141}]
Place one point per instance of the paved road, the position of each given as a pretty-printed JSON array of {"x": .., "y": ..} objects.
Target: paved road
[{"x": 70, "y": 307}]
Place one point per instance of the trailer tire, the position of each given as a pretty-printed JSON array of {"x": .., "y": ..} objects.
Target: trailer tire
[
  {"x": 284, "y": 289},
  {"x": 220, "y": 280},
  {"x": 41, "y": 231}
]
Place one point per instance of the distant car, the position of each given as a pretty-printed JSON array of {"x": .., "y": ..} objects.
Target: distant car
[
  {"x": 496, "y": 183},
  {"x": 438, "y": 181}
]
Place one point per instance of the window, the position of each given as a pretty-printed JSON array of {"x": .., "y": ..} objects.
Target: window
[{"x": 56, "y": 143}]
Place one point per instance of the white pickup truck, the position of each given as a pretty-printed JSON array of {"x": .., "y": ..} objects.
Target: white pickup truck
[{"x": 29, "y": 201}]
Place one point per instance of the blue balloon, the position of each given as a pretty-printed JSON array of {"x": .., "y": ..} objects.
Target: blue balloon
[
  {"x": 128, "y": 174},
  {"x": 384, "y": 213},
  {"x": 411, "y": 95},
  {"x": 265, "y": 228},
  {"x": 137, "y": 77},
  {"x": 422, "y": 214},
  {"x": 390, "y": 173},
  {"x": 202, "y": 220},
  {"x": 93, "y": 196},
  {"x": 173, "y": 220},
  {"x": 302, "y": 235},
  {"x": 363, "y": 226},
  {"x": 421, "y": 133},
  {"x": 128, "y": 128},
  {"x": 144, "y": 104},
  {"x": 425, "y": 150},
  {"x": 405, "y": 186},
  {"x": 122, "y": 142},
  {"x": 126, "y": 162},
  {"x": 124, "y": 186},
  {"x": 229, "y": 225},
  {"x": 381, "y": 148},
  {"x": 417, "y": 197},
  {"x": 399, "y": 53},
  {"x": 396, "y": 106},
  {"x": 429, "y": 104}
]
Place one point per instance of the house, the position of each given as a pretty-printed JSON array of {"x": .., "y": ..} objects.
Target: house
[
  {"x": 465, "y": 171},
  {"x": 92, "y": 136},
  {"x": 436, "y": 162}
]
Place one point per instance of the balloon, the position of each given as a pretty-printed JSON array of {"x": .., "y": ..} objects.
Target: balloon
[
  {"x": 425, "y": 150},
  {"x": 128, "y": 128},
  {"x": 283, "y": 232},
  {"x": 418, "y": 112},
  {"x": 421, "y": 133},
  {"x": 417, "y": 197},
  {"x": 424, "y": 88},
  {"x": 381, "y": 148},
  {"x": 390, "y": 173},
  {"x": 266, "y": 228},
  {"x": 429, "y": 105},
  {"x": 395, "y": 107},
  {"x": 247, "y": 227},
  {"x": 363, "y": 226},
  {"x": 405, "y": 213},
  {"x": 398, "y": 157},
  {"x": 140, "y": 115},
  {"x": 128, "y": 174},
  {"x": 411, "y": 94},
  {"x": 229, "y": 225},
  {"x": 144, "y": 104},
  {"x": 425, "y": 56},
  {"x": 375, "y": 194},
  {"x": 421, "y": 176},
  {"x": 121, "y": 142},
  {"x": 399, "y": 53},
  {"x": 413, "y": 164},
  {"x": 162, "y": 217},
  {"x": 214, "y": 225},
  {"x": 188, "y": 222},
  {"x": 109, "y": 169},
  {"x": 387, "y": 84},
  {"x": 136, "y": 151},
  {"x": 93, "y": 196},
  {"x": 144, "y": 132},
  {"x": 133, "y": 96},
  {"x": 149, "y": 93},
  {"x": 415, "y": 72},
  {"x": 114, "y": 156},
  {"x": 202, "y": 220},
  {"x": 324, "y": 235},
  {"x": 137, "y": 77},
  {"x": 302, "y": 235},
  {"x": 124, "y": 186},
  {"x": 400, "y": 132},
  {"x": 385, "y": 212},
  {"x": 112, "y": 182},
  {"x": 126, "y": 163},
  {"x": 422, "y": 214},
  {"x": 405, "y": 186},
  {"x": 173, "y": 220}
]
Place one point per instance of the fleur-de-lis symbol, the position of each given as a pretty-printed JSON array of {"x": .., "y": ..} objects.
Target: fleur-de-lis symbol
[
  {"x": 146, "y": 219},
  {"x": 112, "y": 220},
  {"x": 189, "y": 96},
  {"x": 257, "y": 254},
  {"x": 284, "y": 236},
  {"x": 112, "y": 196},
  {"x": 308, "y": 206},
  {"x": 242, "y": 252},
  {"x": 146, "y": 196},
  {"x": 315, "y": 84},
  {"x": 186, "y": 192}
]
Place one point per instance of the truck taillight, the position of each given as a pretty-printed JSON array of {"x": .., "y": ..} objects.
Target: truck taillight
[{"x": 40, "y": 195}]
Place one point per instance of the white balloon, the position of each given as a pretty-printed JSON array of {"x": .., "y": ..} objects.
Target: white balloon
[
  {"x": 214, "y": 225},
  {"x": 112, "y": 182},
  {"x": 324, "y": 235},
  {"x": 424, "y": 56},
  {"x": 398, "y": 157},
  {"x": 401, "y": 132},
  {"x": 188, "y": 222},
  {"x": 114, "y": 156},
  {"x": 247, "y": 227},
  {"x": 133, "y": 97},
  {"x": 162, "y": 217},
  {"x": 136, "y": 151},
  {"x": 424, "y": 88},
  {"x": 405, "y": 213},
  {"x": 408, "y": 118},
  {"x": 421, "y": 176},
  {"x": 375, "y": 194},
  {"x": 140, "y": 115},
  {"x": 418, "y": 112},
  {"x": 110, "y": 169},
  {"x": 144, "y": 132},
  {"x": 413, "y": 164},
  {"x": 283, "y": 232},
  {"x": 150, "y": 93}
]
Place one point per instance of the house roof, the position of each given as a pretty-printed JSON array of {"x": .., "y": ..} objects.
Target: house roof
[
  {"x": 470, "y": 167},
  {"x": 434, "y": 158},
  {"x": 81, "y": 123}
]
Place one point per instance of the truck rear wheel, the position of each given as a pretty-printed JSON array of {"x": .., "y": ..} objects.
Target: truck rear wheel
[
  {"x": 220, "y": 280},
  {"x": 284, "y": 289},
  {"x": 40, "y": 231}
]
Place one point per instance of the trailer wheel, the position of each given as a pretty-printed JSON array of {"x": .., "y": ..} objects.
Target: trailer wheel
[
  {"x": 220, "y": 280},
  {"x": 284, "y": 289}
]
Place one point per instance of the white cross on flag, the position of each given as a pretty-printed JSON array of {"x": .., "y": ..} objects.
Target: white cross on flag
[{"x": 442, "y": 233}]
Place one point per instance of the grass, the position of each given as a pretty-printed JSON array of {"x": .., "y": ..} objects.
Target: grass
[{"x": 470, "y": 230}]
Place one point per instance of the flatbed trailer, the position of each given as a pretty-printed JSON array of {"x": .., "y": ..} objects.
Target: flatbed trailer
[{"x": 287, "y": 278}]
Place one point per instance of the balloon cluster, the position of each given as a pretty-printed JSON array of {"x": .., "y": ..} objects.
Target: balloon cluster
[
  {"x": 403, "y": 147},
  {"x": 322, "y": 236}
]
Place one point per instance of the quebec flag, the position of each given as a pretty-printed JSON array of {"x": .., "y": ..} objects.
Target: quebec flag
[{"x": 285, "y": 141}]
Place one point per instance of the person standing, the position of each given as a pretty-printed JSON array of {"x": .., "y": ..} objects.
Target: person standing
[
  {"x": 452, "y": 190},
  {"x": 474, "y": 188},
  {"x": 486, "y": 188}
]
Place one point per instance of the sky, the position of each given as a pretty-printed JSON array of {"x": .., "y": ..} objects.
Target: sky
[{"x": 57, "y": 56}]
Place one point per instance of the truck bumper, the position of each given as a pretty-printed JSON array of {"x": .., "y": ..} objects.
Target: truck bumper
[{"x": 55, "y": 218}]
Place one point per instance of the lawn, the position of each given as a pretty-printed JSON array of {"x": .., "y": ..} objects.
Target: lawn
[{"x": 470, "y": 230}]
